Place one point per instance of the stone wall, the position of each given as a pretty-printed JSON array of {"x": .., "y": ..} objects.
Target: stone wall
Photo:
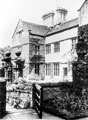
[{"x": 19, "y": 94}]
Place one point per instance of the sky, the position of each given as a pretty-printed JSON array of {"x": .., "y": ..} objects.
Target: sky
[{"x": 31, "y": 11}]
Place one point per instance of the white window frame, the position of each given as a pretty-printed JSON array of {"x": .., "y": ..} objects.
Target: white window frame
[
  {"x": 48, "y": 48},
  {"x": 48, "y": 69},
  {"x": 57, "y": 47},
  {"x": 56, "y": 68}
]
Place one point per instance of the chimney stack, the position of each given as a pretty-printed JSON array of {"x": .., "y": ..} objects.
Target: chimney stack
[
  {"x": 48, "y": 19},
  {"x": 61, "y": 15}
]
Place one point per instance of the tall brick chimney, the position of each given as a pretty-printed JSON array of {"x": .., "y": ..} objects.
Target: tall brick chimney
[
  {"x": 61, "y": 15},
  {"x": 48, "y": 19}
]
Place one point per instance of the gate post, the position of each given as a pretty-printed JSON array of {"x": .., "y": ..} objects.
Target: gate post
[
  {"x": 33, "y": 96},
  {"x": 41, "y": 100},
  {"x": 2, "y": 99}
]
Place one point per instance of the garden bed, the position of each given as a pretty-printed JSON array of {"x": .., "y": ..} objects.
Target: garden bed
[{"x": 62, "y": 101}]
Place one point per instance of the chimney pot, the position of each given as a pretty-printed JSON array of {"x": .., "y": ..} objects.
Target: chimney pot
[
  {"x": 61, "y": 15},
  {"x": 48, "y": 19}
]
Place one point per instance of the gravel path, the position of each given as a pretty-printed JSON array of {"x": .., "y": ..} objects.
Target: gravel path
[{"x": 27, "y": 114}]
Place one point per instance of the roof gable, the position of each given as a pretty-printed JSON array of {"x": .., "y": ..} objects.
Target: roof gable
[
  {"x": 18, "y": 28},
  {"x": 35, "y": 28},
  {"x": 82, "y": 5}
]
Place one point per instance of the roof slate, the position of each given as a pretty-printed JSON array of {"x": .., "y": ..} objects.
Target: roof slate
[
  {"x": 64, "y": 26},
  {"x": 35, "y": 28}
]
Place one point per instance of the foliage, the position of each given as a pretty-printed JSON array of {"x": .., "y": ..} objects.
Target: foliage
[
  {"x": 3, "y": 50},
  {"x": 68, "y": 104},
  {"x": 80, "y": 73},
  {"x": 19, "y": 94},
  {"x": 70, "y": 56}
]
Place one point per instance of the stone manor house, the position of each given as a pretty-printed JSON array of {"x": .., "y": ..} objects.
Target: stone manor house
[{"x": 49, "y": 49}]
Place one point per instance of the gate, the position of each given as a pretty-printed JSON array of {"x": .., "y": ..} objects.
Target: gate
[
  {"x": 37, "y": 99},
  {"x": 2, "y": 99}
]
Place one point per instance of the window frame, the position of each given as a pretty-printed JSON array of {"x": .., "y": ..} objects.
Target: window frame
[
  {"x": 65, "y": 71},
  {"x": 56, "y": 68},
  {"x": 37, "y": 68},
  {"x": 37, "y": 49},
  {"x": 74, "y": 42},
  {"x": 57, "y": 47},
  {"x": 48, "y": 48},
  {"x": 48, "y": 69}
]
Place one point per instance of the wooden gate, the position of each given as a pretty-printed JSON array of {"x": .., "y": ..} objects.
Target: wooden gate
[{"x": 37, "y": 99}]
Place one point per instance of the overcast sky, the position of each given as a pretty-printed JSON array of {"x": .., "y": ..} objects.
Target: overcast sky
[{"x": 29, "y": 10}]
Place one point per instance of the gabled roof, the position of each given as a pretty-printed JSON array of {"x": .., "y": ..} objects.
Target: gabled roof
[
  {"x": 82, "y": 5},
  {"x": 16, "y": 27},
  {"x": 45, "y": 31},
  {"x": 64, "y": 26},
  {"x": 34, "y": 28}
]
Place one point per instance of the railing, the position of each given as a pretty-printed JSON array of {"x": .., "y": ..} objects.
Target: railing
[{"x": 37, "y": 99}]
